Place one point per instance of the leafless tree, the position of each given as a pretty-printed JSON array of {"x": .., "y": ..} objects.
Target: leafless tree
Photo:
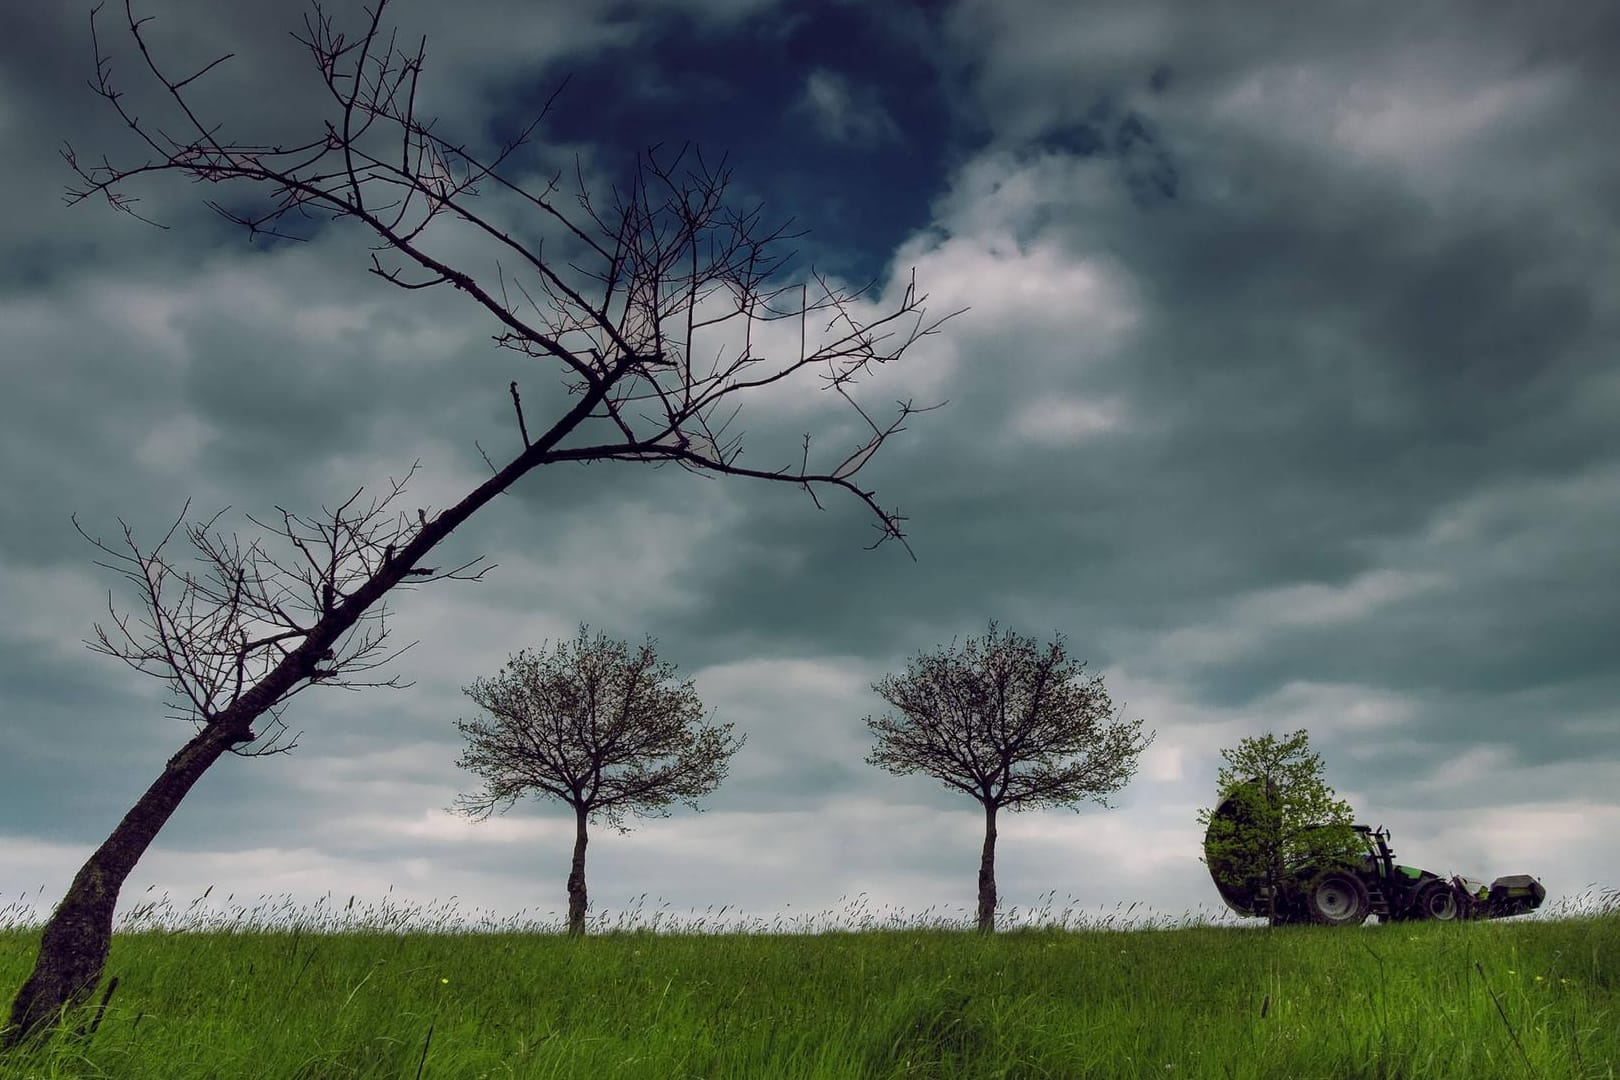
[
  {"x": 660, "y": 275},
  {"x": 596, "y": 729},
  {"x": 999, "y": 726}
]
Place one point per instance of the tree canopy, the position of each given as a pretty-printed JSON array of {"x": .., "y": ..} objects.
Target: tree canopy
[{"x": 596, "y": 727}]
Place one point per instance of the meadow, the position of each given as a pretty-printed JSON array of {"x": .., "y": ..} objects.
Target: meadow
[{"x": 340, "y": 994}]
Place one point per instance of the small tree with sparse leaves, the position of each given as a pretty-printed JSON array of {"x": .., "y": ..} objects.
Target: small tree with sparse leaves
[
  {"x": 597, "y": 729},
  {"x": 1011, "y": 727}
]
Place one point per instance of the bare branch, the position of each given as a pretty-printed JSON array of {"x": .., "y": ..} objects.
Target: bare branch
[
  {"x": 676, "y": 260},
  {"x": 213, "y": 636},
  {"x": 517, "y": 403}
]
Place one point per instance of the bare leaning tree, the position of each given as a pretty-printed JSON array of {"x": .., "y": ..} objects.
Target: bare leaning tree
[
  {"x": 661, "y": 274},
  {"x": 1009, "y": 726},
  {"x": 594, "y": 727}
]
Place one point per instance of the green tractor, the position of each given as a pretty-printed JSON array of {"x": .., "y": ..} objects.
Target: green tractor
[{"x": 1370, "y": 883}]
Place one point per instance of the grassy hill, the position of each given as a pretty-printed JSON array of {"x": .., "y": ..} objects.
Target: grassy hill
[{"x": 1529, "y": 997}]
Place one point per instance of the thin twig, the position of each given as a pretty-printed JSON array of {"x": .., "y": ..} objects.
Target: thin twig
[{"x": 517, "y": 403}]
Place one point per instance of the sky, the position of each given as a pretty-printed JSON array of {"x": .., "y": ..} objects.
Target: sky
[{"x": 1286, "y": 393}]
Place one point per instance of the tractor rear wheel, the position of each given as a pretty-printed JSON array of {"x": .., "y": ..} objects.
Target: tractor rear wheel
[
  {"x": 1435, "y": 900},
  {"x": 1337, "y": 898}
]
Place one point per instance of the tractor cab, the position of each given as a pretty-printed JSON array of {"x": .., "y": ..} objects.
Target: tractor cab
[
  {"x": 1379, "y": 860},
  {"x": 1380, "y": 857}
]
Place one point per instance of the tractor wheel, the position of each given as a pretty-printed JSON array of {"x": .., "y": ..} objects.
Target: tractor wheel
[
  {"x": 1435, "y": 900},
  {"x": 1337, "y": 899}
]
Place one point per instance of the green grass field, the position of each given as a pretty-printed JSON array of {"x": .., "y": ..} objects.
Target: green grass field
[{"x": 1112, "y": 998}]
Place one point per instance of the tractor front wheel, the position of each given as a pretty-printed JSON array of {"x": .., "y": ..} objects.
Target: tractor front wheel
[
  {"x": 1337, "y": 899},
  {"x": 1435, "y": 900}
]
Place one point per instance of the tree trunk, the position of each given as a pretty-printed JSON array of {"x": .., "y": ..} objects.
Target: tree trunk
[
  {"x": 73, "y": 948},
  {"x": 1274, "y": 883},
  {"x": 576, "y": 878},
  {"x": 987, "y": 873}
]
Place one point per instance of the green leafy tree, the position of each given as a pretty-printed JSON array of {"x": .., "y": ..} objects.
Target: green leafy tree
[
  {"x": 1276, "y": 815},
  {"x": 1011, "y": 727},
  {"x": 596, "y": 729}
]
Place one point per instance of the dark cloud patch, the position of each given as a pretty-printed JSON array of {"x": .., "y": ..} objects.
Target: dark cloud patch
[{"x": 738, "y": 90}]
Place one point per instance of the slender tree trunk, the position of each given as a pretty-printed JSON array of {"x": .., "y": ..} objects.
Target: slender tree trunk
[
  {"x": 73, "y": 947},
  {"x": 1274, "y": 875},
  {"x": 576, "y": 878},
  {"x": 987, "y": 873}
]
